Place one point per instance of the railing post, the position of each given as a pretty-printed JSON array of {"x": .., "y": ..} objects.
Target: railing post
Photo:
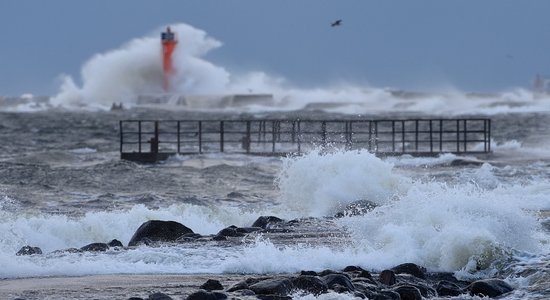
[
  {"x": 273, "y": 136},
  {"x": 139, "y": 136},
  {"x": 248, "y": 138},
  {"x": 440, "y": 135},
  {"x": 299, "y": 134},
  {"x": 121, "y": 136},
  {"x": 221, "y": 136},
  {"x": 179, "y": 137},
  {"x": 200, "y": 137},
  {"x": 489, "y": 133},
  {"x": 485, "y": 135},
  {"x": 465, "y": 136},
  {"x": 393, "y": 136},
  {"x": 376, "y": 136},
  {"x": 416, "y": 135},
  {"x": 402, "y": 136},
  {"x": 457, "y": 135},
  {"x": 154, "y": 142},
  {"x": 431, "y": 138}
]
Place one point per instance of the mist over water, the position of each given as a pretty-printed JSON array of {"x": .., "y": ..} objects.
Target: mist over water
[{"x": 134, "y": 70}]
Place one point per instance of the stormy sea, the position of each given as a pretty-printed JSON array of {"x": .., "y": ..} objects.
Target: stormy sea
[{"x": 326, "y": 224}]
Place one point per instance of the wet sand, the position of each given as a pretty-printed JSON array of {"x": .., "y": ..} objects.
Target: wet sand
[{"x": 108, "y": 286}]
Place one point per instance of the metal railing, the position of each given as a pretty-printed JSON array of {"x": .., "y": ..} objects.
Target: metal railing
[{"x": 279, "y": 137}]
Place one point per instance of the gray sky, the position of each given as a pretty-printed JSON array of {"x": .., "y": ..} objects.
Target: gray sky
[{"x": 473, "y": 45}]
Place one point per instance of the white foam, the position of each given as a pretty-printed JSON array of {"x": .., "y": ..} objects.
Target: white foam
[{"x": 318, "y": 184}]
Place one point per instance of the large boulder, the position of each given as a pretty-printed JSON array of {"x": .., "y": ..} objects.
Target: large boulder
[
  {"x": 275, "y": 286},
  {"x": 28, "y": 250},
  {"x": 212, "y": 285},
  {"x": 407, "y": 292},
  {"x": 411, "y": 269},
  {"x": 204, "y": 295},
  {"x": 489, "y": 287},
  {"x": 331, "y": 280},
  {"x": 310, "y": 284},
  {"x": 158, "y": 231},
  {"x": 265, "y": 222},
  {"x": 159, "y": 296},
  {"x": 448, "y": 288},
  {"x": 387, "y": 277}
]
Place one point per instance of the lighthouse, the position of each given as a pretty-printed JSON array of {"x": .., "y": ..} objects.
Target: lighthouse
[{"x": 169, "y": 42}]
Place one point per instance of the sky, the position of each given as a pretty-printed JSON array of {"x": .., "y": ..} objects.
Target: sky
[{"x": 470, "y": 45}]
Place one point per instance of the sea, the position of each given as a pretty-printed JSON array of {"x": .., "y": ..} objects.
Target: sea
[{"x": 63, "y": 185}]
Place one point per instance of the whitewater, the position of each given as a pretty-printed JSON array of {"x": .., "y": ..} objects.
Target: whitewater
[{"x": 62, "y": 184}]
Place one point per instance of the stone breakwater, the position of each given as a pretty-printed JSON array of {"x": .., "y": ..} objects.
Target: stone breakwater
[{"x": 404, "y": 281}]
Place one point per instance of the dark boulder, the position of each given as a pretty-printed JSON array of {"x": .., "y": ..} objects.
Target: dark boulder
[
  {"x": 311, "y": 284},
  {"x": 331, "y": 280},
  {"x": 411, "y": 269},
  {"x": 328, "y": 271},
  {"x": 273, "y": 297},
  {"x": 28, "y": 250},
  {"x": 230, "y": 231},
  {"x": 115, "y": 243},
  {"x": 357, "y": 208},
  {"x": 204, "y": 295},
  {"x": 275, "y": 286},
  {"x": 219, "y": 238},
  {"x": 489, "y": 287},
  {"x": 387, "y": 277},
  {"x": 95, "y": 247},
  {"x": 158, "y": 231},
  {"x": 159, "y": 296},
  {"x": 408, "y": 292},
  {"x": 312, "y": 273},
  {"x": 447, "y": 288},
  {"x": 352, "y": 269},
  {"x": 212, "y": 285},
  {"x": 265, "y": 222},
  {"x": 135, "y": 298},
  {"x": 243, "y": 285},
  {"x": 365, "y": 274}
]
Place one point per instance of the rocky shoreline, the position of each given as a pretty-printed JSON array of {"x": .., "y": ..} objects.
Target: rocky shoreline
[{"x": 404, "y": 281}]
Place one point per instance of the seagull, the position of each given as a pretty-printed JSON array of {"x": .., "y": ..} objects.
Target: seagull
[{"x": 336, "y": 23}]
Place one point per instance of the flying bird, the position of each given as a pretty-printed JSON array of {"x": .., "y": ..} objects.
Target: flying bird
[{"x": 336, "y": 23}]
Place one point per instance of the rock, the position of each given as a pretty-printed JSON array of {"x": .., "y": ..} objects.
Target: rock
[
  {"x": 204, "y": 295},
  {"x": 212, "y": 285},
  {"x": 333, "y": 279},
  {"x": 230, "y": 231},
  {"x": 311, "y": 284},
  {"x": 28, "y": 250},
  {"x": 275, "y": 286},
  {"x": 158, "y": 231},
  {"x": 387, "y": 295},
  {"x": 115, "y": 243},
  {"x": 365, "y": 274},
  {"x": 265, "y": 222},
  {"x": 248, "y": 229},
  {"x": 352, "y": 269},
  {"x": 245, "y": 292},
  {"x": 95, "y": 247},
  {"x": 241, "y": 285},
  {"x": 159, "y": 296},
  {"x": 489, "y": 287},
  {"x": 447, "y": 288},
  {"x": 135, "y": 298},
  {"x": 273, "y": 297},
  {"x": 411, "y": 269},
  {"x": 357, "y": 208},
  {"x": 219, "y": 238},
  {"x": 312, "y": 273},
  {"x": 408, "y": 292},
  {"x": 387, "y": 277},
  {"x": 327, "y": 272}
]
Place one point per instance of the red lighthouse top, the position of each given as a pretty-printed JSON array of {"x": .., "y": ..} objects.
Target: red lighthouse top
[{"x": 168, "y": 35}]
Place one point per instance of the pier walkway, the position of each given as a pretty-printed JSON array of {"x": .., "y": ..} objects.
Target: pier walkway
[{"x": 153, "y": 140}]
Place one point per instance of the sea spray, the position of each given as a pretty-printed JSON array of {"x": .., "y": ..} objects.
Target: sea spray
[{"x": 320, "y": 184}]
